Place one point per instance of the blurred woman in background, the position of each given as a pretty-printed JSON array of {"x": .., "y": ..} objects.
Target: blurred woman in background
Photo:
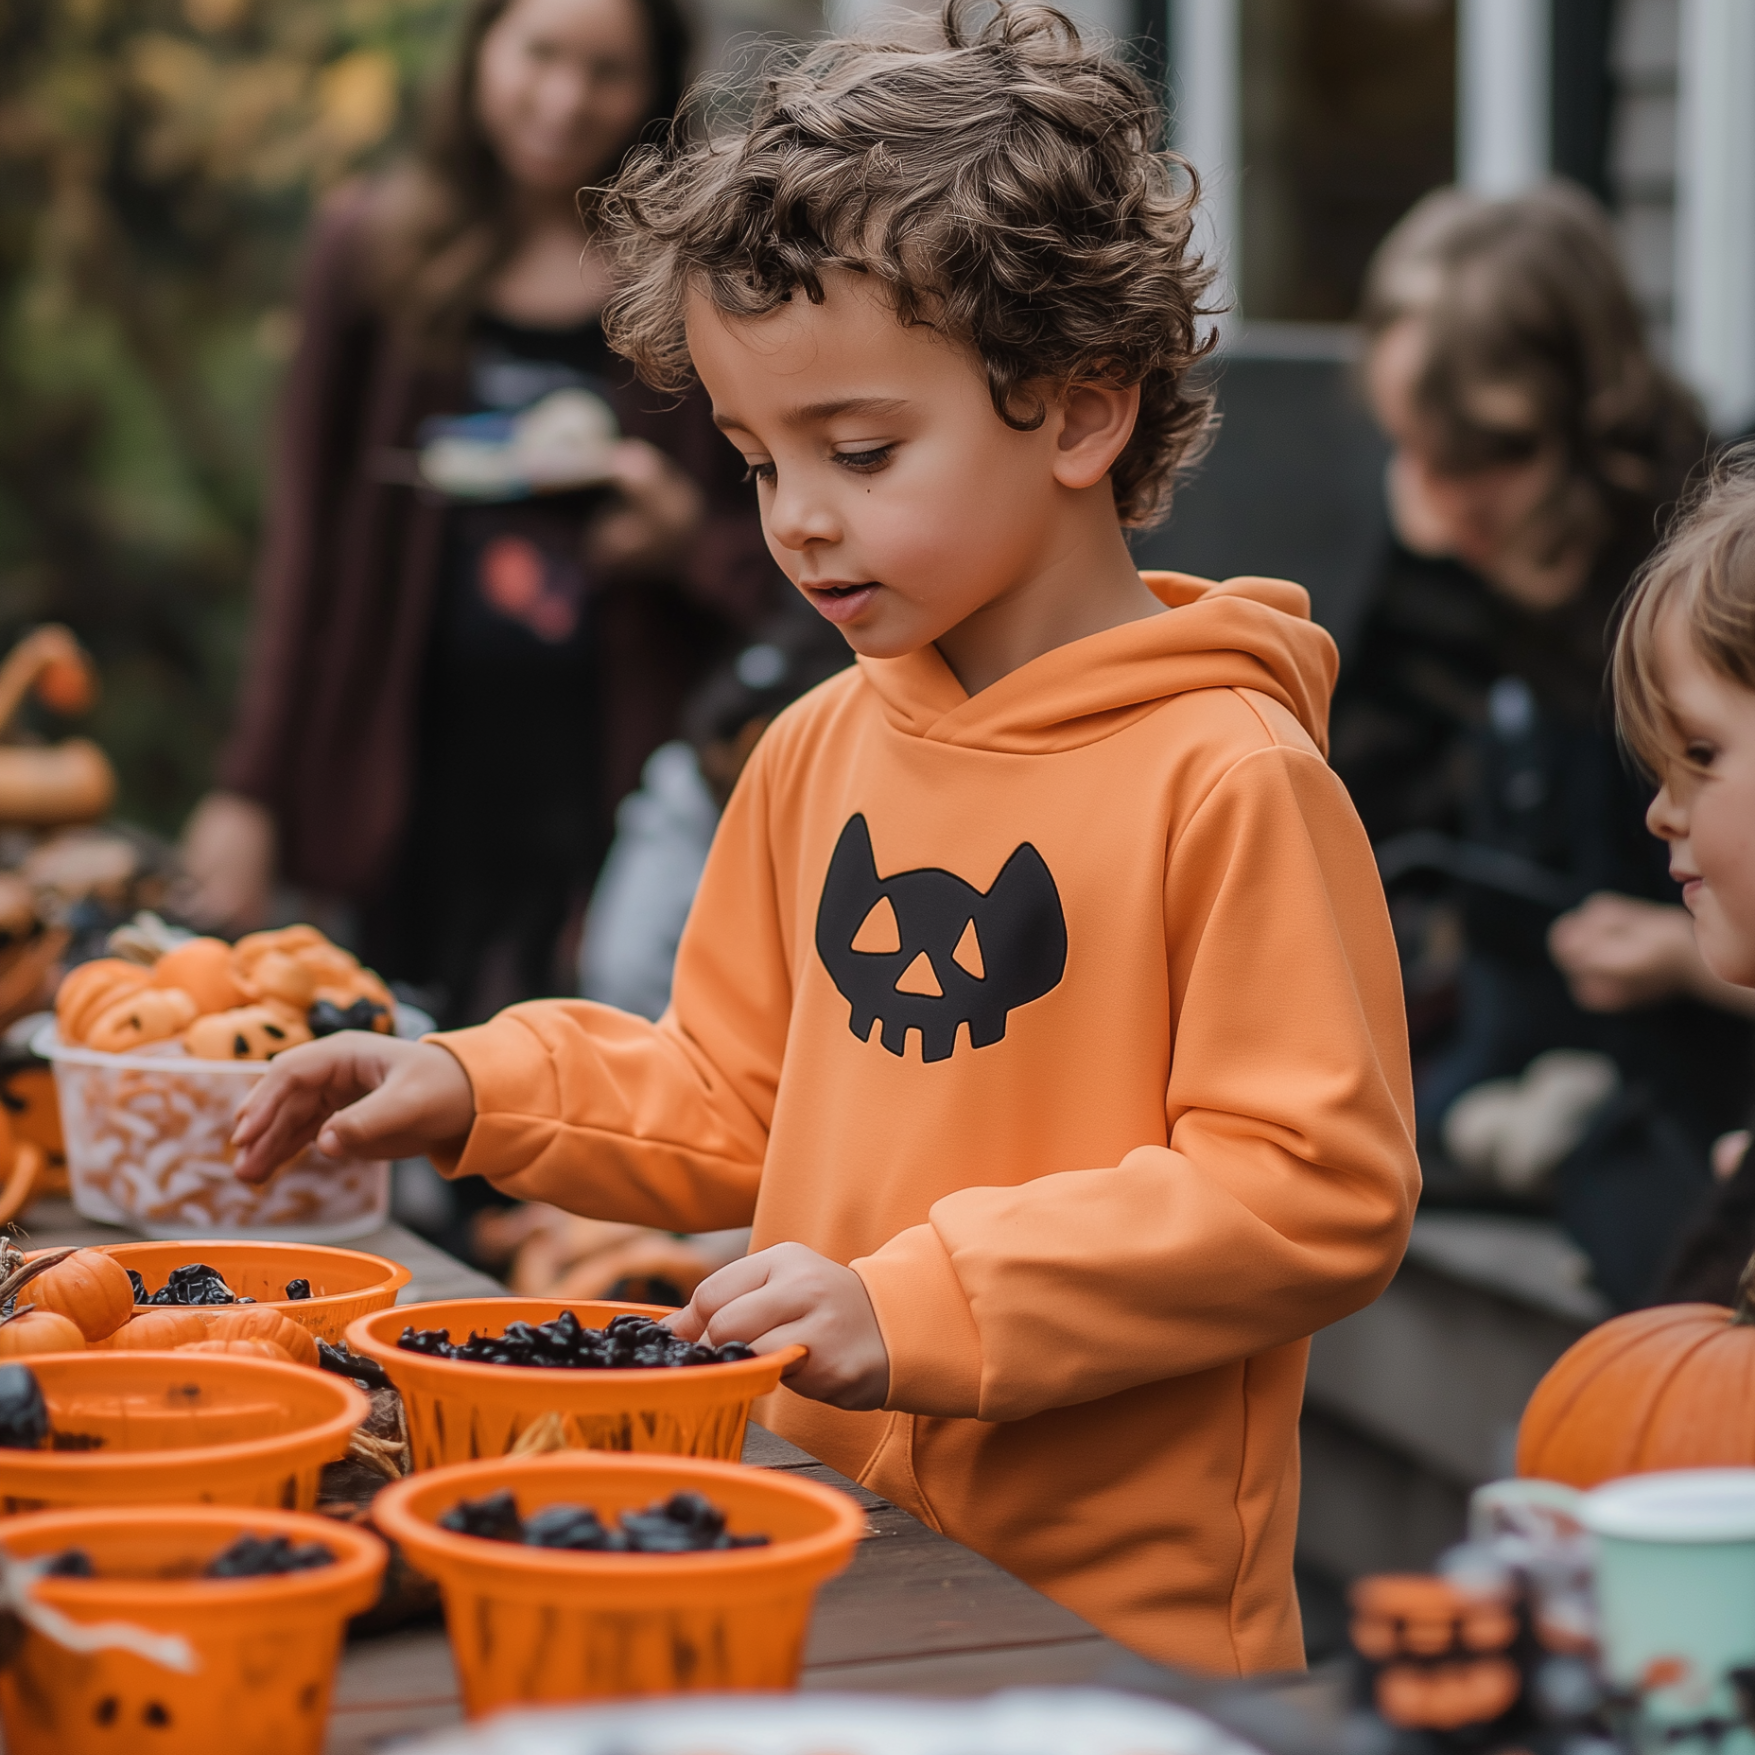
[
  {"x": 445, "y": 699},
  {"x": 1535, "y": 443}
]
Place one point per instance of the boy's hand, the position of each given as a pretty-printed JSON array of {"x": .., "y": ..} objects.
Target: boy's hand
[
  {"x": 358, "y": 1095},
  {"x": 791, "y": 1294}
]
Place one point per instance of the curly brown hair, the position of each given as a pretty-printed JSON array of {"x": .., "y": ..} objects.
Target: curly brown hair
[{"x": 1006, "y": 186}]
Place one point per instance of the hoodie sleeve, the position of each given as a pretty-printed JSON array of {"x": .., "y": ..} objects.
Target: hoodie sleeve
[
  {"x": 664, "y": 1124},
  {"x": 1283, "y": 1199}
]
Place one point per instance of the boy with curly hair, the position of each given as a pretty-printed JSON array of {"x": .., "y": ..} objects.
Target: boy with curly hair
[{"x": 1039, "y": 1006}]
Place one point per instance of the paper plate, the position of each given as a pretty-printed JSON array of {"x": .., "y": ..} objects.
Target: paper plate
[{"x": 1021, "y": 1721}]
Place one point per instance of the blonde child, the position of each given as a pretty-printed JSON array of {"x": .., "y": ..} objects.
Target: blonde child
[
  {"x": 1039, "y": 1006},
  {"x": 1685, "y": 701}
]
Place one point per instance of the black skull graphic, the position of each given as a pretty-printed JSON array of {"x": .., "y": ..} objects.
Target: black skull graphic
[{"x": 925, "y": 951}]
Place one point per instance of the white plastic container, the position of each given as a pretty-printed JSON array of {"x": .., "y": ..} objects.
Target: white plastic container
[{"x": 149, "y": 1147}]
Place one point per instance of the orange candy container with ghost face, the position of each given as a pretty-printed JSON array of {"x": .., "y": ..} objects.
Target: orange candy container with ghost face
[{"x": 1440, "y": 1654}]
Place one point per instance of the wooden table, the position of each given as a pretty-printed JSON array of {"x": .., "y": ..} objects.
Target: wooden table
[{"x": 916, "y": 1613}]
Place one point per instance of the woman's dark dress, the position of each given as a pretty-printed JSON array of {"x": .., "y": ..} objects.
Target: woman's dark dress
[{"x": 443, "y": 703}]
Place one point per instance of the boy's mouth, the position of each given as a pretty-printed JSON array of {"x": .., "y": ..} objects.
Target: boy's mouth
[{"x": 841, "y": 603}]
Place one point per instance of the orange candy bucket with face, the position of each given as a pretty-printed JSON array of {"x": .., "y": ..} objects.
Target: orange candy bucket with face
[
  {"x": 180, "y": 1429},
  {"x": 346, "y": 1284},
  {"x": 265, "y": 1649},
  {"x": 536, "y": 1625},
  {"x": 458, "y": 1411}
]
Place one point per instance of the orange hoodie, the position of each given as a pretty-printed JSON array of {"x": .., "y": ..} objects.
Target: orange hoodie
[{"x": 1069, "y": 1016}]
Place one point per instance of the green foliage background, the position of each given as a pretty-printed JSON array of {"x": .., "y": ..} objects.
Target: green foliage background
[{"x": 158, "y": 162}]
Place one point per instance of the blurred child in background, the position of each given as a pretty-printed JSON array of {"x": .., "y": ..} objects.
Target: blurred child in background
[
  {"x": 663, "y": 831},
  {"x": 1535, "y": 441}
]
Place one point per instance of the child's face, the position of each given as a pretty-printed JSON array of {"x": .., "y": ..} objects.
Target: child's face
[
  {"x": 892, "y": 494},
  {"x": 1706, "y": 806}
]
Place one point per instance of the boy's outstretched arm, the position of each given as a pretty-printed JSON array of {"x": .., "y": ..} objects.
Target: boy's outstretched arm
[
  {"x": 358, "y": 1095},
  {"x": 598, "y": 1111}
]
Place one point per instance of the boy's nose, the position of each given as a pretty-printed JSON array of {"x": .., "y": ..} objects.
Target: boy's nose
[{"x": 797, "y": 518}]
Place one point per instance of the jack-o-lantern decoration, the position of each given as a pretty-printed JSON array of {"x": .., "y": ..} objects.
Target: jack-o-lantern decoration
[
  {"x": 1438, "y": 1655},
  {"x": 250, "y": 1032},
  {"x": 139, "y": 1019},
  {"x": 1668, "y": 1388},
  {"x": 31, "y": 1110},
  {"x": 42, "y": 785},
  {"x": 249, "y": 1001},
  {"x": 91, "y": 988}
]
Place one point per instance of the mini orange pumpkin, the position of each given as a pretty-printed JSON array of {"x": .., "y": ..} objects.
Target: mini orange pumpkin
[
  {"x": 39, "y": 1331},
  {"x": 1437, "y": 1650},
  {"x": 249, "y": 1032},
  {"x": 91, "y": 1289},
  {"x": 89, "y": 988},
  {"x": 282, "y": 978},
  {"x": 157, "y": 1331},
  {"x": 1668, "y": 1388},
  {"x": 203, "y": 969},
  {"x": 138, "y": 1019},
  {"x": 239, "y": 1349},
  {"x": 261, "y": 1322},
  {"x": 253, "y": 946}
]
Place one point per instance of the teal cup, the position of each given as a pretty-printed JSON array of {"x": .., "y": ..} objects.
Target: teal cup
[{"x": 1675, "y": 1564}]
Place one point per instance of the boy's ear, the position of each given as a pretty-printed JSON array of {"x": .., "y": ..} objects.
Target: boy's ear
[{"x": 1096, "y": 422}]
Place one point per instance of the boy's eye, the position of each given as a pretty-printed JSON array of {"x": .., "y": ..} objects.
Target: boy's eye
[
  {"x": 863, "y": 461},
  {"x": 1698, "y": 754},
  {"x": 759, "y": 472}
]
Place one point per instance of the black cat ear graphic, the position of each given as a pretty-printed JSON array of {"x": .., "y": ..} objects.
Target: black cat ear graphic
[{"x": 924, "y": 950}]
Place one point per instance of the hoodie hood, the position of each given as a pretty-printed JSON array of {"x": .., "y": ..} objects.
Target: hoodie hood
[{"x": 1243, "y": 633}]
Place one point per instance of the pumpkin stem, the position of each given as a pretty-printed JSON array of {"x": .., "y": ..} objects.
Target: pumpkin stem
[
  {"x": 19, "y": 1278},
  {"x": 1743, "y": 1304}
]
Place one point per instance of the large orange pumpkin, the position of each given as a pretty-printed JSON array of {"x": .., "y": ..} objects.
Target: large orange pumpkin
[
  {"x": 160, "y": 1331},
  {"x": 39, "y": 1331},
  {"x": 90, "y": 1288},
  {"x": 1667, "y": 1388}
]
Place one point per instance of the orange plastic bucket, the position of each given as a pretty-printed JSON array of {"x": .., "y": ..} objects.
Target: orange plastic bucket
[
  {"x": 458, "y": 1411},
  {"x": 533, "y": 1624},
  {"x": 266, "y": 1648},
  {"x": 181, "y": 1429},
  {"x": 345, "y": 1283}
]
